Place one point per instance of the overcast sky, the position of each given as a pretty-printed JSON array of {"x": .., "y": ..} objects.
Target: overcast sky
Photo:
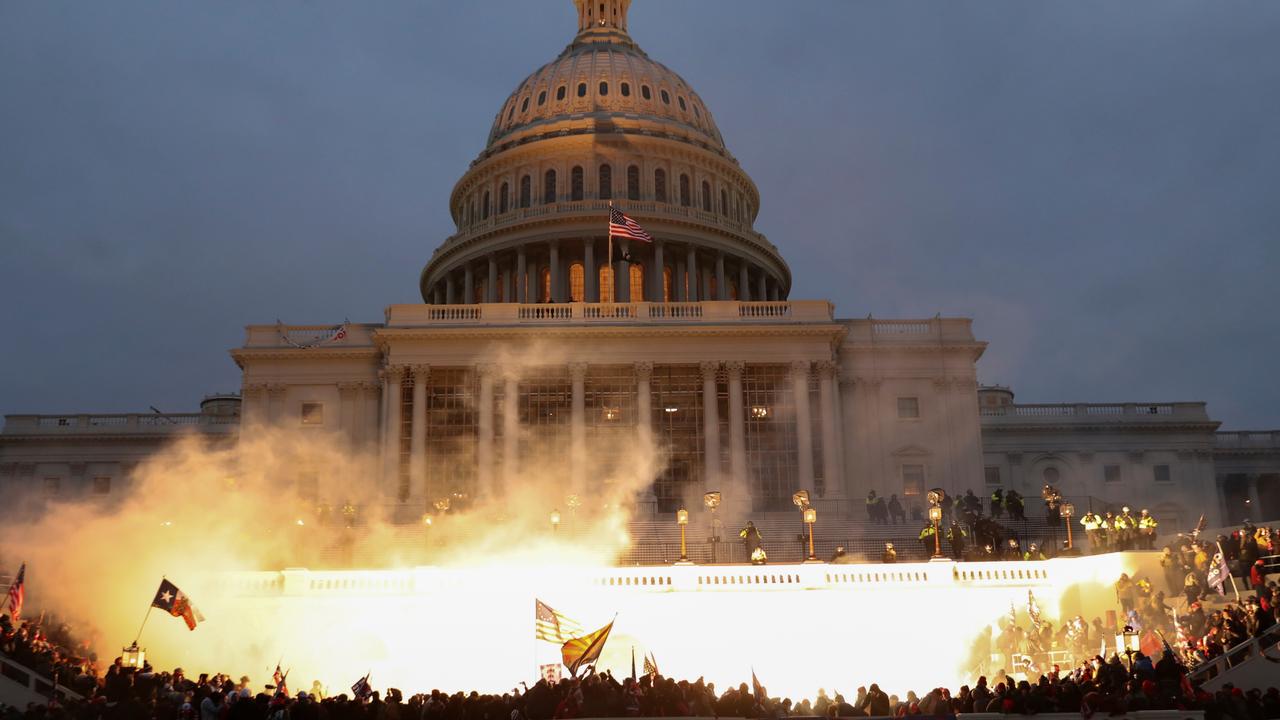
[{"x": 1097, "y": 184}]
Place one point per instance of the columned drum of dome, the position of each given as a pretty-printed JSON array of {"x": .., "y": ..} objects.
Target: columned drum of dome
[{"x": 604, "y": 123}]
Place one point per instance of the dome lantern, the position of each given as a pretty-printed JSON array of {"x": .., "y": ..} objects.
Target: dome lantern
[{"x": 611, "y": 14}]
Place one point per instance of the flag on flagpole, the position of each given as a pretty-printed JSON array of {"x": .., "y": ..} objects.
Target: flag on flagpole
[
  {"x": 552, "y": 626},
  {"x": 633, "y": 663},
  {"x": 756, "y": 688},
  {"x": 282, "y": 680},
  {"x": 18, "y": 594},
  {"x": 584, "y": 650},
  {"x": 651, "y": 665},
  {"x": 1218, "y": 573},
  {"x": 1033, "y": 609},
  {"x": 362, "y": 689},
  {"x": 622, "y": 226},
  {"x": 175, "y": 602}
]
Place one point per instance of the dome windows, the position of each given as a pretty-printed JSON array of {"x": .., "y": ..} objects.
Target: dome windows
[
  {"x": 575, "y": 183},
  {"x": 666, "y": 97},
  {"x": 582, "y": 89},
  {"x": 706, "y": 196},
  {"x": 604, "y": 88},
  {"x": 625, "y": 89},
  {"x": 680, "y": 99},
  {"x": 577, "y": 283},
  {"x": 503, "y": 192},
  {"x": 524, "y": 106},
  {"x": 526, "y": 191},
  {"x": 542, "y": 98},
  {"x": 549, "y": 187},
  {"x": 633, "y": 182},
  {"x": 606, "y": 182},
  {"x": 645, "y": 93},
  {"x": 511, "y": 113},
  {"x": 660, "y": 185},
  {"x": 484, "y": 207},
  {"x": 685, "y": 200},
  {"x": 560, "y": 93}
]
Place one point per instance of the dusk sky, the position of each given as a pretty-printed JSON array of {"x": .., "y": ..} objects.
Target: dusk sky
[{"x": 1097, "y": 184}]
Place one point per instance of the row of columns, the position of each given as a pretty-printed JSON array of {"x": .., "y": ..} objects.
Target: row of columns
[
  {"x": 737, "y": 483},
  {"x": 521, "y": 278}
]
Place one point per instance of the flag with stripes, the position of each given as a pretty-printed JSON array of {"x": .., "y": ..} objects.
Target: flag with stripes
[
  {"x": 621, "y": 226},
  {"x": 584, "y": 650},
  {"x": 17, "y": 594},
  {"x": 757, "y": 689},
  {"x": 551, "y": 626},
  {"x": 362, "y": 689},
  {"x": 650, "y": 665}
]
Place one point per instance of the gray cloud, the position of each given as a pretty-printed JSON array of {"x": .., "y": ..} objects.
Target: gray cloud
[{"x": 1093, "y": 181}]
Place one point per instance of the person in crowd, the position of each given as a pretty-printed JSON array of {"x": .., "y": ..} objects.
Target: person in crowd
[
  {"x": 896, "y": 512},
  {"x": 1147, "y": 530},
  {"x": 889, "y": 555},
  {"x": 997, "y": 503},
  {"x": 1091, "y": 523},
  {"x": 750, "y": 539}
]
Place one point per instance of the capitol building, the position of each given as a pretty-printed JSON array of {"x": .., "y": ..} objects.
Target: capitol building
[{"x": 539, "y": 337}]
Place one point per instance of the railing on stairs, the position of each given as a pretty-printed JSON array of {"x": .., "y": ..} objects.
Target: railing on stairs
[
  {"x": 1249, "y": 649},
  {"x": 20, "y": 685}
]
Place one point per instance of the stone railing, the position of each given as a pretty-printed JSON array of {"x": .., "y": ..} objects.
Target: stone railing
[
  {"x": 600, "y": 208},
  {"x": 1248, "y": 440},
  {"x": 805, "y": 311},
  {"x": 931, "y": 330},
  {"x": 130, "y": 423},
  {"x": 1090, "y": 412}
]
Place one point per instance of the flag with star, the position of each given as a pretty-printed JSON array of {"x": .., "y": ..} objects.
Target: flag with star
[
  {"x": 175, "y": 602},
  {"x": 18, "y": 594}
]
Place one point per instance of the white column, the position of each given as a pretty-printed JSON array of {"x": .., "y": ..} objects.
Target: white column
[
  {"x": 722, "y": 283},
  {"x": 524, "y": 291},
  {"x": 491, "y": 286},
  {"x": 348, "y": 410},
  {"x": 484, "y": 445},
  {"x": 577, "y": 428},
  {"x": 418, "y": 434},
  {"x": 371, "y": 413},
  {"x": 804, "y": 432},
  {"x": 391, "y": 427},
  {"x": 851, "y": 453},
  {"x": 744, "y": 281},
  {"x": 510, "y": 430},
  {"x": 555, "y": 273},
  {"x": 831, "y": 474},
  {"x": 740, "y": 483},
  {"x": 253, "y": 414},
  {"x": 710, "y": 426},
  {"x": 644, "y": 404}
]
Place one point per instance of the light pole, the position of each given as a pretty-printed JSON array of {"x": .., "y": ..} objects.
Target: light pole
[
  {"x": 682, "y": 519},
  {"x": 555, "y": 520},
  {"x": 133, "y": 656},
  {"x": 712, "y": 501},
  {"x": 935, "y": 517},
  {"x": 810, "y": 517},
  {"x": 1066, "y": 510}
]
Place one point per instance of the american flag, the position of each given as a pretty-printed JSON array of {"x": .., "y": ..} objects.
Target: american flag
[
  {"x": 622, "y": 226},
  {"x": 17, "y": 593},
  {"x": 650, "y": 665},
  {"x": 362, "y": 689},
  {"x": 552, "y": 626}
]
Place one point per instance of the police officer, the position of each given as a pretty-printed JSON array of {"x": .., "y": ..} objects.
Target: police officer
[
  {"x": 890, "y": 555},
  {"x": 1107, "y": 532},
  {"x": 1091, "y": 523},
  {"x": 997, "y": 503},
  {"x": 956, "y": 536},
  {"x": 927, "y": 539},
  {"x": 1126, "y": 528},
  {"x": 1147, "y": 530},
  {"x": 1033, "y": 553}
]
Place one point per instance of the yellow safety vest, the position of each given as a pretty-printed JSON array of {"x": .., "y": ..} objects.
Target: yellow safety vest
[{"x": 1147, "y": 523}]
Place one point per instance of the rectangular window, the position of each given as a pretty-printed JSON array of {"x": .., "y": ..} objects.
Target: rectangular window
[
  {"x": 912, "y": 479},
  {"x": 1111, "y": 473},
  {"x": 101, "y": 486},
  {"x": 908, "y": 407},
  {"x": 1161, "y": 473},
  {"x": 993, "y": 474},
  {"x": 312, "y": 414},
  {"x": 52, "y": 486}
]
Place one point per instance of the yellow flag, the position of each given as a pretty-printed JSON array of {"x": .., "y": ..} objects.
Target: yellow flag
[{"x": 584, "y": 650}]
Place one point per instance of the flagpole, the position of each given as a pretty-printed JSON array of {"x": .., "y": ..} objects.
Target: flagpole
[
  {"x": 612, "y": 280},
  {"x": 144, "y": 624},
  {"x": 1230, "y": 574}
]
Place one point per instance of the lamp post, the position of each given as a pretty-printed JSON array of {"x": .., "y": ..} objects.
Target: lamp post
[
  {"x": 555, "y": 520},
  {"x": 712, "y": 501},
  {"x": 133, "y": 656},
  {"x": 935, "y": 517},
  {"x": 1066, "y": 510},
  {"x": 682, "y": 519},
  {"x": 1128, "y": 642},
  {"x": 810, "y": 517}
]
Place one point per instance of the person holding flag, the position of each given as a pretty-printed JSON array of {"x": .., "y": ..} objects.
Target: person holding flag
[
  {"x": 281, "y": 679},
  {"x": 362, "y": 690},
  {"x": 585, "y": 650}
]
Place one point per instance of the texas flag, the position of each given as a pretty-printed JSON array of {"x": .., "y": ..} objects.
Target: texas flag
[{"x": 175, "y": 602}]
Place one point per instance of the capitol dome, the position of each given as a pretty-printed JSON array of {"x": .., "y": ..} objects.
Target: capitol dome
[{"x": 604, "y": 124}]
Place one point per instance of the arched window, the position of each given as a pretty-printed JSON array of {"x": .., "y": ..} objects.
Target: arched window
[
  {"x": 637, "y": 282},
  {"x": 644, "y": 92},
  {"x": 724, "y": 202},
  {"x": 484, "y": 207},
  {"x": 685, "y": 200},
  {"x": 633, "y": 182},
  {"x": 542, "y": 98},
  {"x": 660, "y": 185},
  {"x": 706, "y": 196},
  {"x": 606, "y": 284},
  {"x": 544, "y": 287},
  {"x": 526, "y": 191},
  {"x": 604, "y": 88},
  {"x": 683, "y": 107},
  {"x": 606, "y": 183},
  {"x": 666, "y": 283},
  {"x": 512, "y": 112},
  {"x": 524, "y": 106},
  {"x": 577, "y": 283},
  {"x": 575, "y": 183},
  {"x": 549, "y": 187},
  {"x": 503, "y": 192},
  {"x": 625, "y": 89},
  {"x": 582, "y": 89},
  {"x": 560, "y": 92},
  {"x": 666, "y": 98}
]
